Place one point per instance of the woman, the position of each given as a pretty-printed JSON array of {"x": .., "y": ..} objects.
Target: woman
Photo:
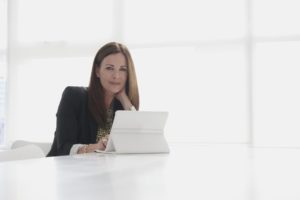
[{"x": 85, "y": 115}]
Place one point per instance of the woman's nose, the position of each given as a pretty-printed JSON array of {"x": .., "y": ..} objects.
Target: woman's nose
[{"x": 116, "y": 74}]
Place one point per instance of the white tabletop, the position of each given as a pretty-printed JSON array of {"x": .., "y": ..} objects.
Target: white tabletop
[{"x": 208, "y": 172}]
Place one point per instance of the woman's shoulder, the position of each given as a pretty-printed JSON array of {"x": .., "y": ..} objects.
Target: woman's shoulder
[
  {"x": 75, "y": 94},
  {"x": 75, "y": 91},
  {"x": 73, "y": 98}
]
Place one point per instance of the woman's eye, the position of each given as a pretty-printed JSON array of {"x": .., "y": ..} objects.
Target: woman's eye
[
  {"x": 109, "y": 68},
  {"x": 124, "y": 69}
]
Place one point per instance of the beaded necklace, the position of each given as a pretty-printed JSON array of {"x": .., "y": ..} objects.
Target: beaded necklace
[{"x": 105, "y": 131}]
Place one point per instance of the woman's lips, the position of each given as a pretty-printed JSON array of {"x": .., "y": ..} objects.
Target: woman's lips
[{"x": 115, "y": 83}]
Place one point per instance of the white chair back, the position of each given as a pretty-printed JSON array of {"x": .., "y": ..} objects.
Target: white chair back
[
  {"x": 21, "y": 153},
  {"x": 45, "y": 147}
]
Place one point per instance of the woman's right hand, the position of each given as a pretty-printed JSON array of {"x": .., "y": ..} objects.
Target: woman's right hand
[{"x": 100, "y": 145}]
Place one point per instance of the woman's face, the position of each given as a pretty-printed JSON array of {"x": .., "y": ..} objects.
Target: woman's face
[{"x": 113, "y": 73}]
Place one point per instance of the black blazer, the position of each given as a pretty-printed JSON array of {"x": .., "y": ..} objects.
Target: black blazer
[{"x": 74, "y": 124}]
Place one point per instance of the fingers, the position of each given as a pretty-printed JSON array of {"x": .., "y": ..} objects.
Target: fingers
[
  {"x": 104, "y": 140},
  {"x": 101, "y": 145},
  {"x": 121, "y": 94}
]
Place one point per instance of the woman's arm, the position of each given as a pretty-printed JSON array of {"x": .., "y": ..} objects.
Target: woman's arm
[{"x": 67, "y": 130}]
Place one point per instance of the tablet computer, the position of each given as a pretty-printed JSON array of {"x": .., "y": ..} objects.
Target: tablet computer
[{"x": 138, "y": 132}]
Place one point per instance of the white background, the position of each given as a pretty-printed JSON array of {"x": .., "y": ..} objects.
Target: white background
[{"x": 226, "y": 70}]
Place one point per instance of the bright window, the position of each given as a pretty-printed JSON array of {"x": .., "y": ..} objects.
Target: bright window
[
  {"x": 276, "y": 17},
  {"x": 39, "y": 85},
  {"x": 203, "y": 88},
  {"x": 183, "y": 21},
  {"x": 3, "y": 67},
  {"x": 226, "y": 70},
  {"x": 63, "y": 21},
  {"x": 276, "y": 109},
  {"x": 276, "y": 94}
]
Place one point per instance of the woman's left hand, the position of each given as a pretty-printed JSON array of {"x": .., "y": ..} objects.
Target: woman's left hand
[
  {"x": 121, "y": 95},
  {"x": 124, "y": 99}
]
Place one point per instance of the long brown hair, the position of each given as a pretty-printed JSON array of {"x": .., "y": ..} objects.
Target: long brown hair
[{"x": 95, "y": 91}]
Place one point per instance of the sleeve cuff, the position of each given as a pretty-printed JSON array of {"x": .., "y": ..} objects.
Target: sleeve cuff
[
  {"x": 75, "y": 148},
  {"x": 132, "y": 108}
]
